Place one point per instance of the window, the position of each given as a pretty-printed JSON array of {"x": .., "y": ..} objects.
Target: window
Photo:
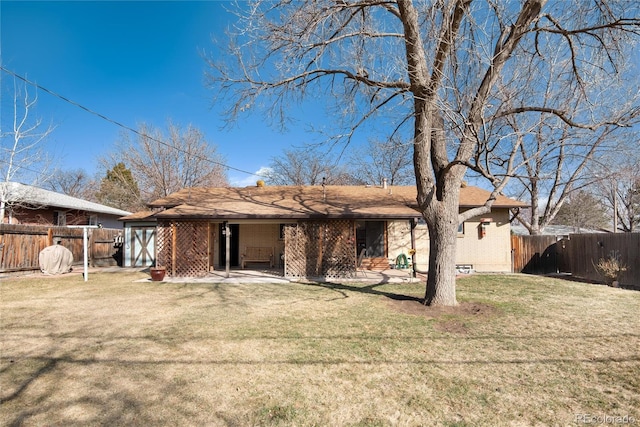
[
  {"x": 461, "y": 228},
  {"x": 282, "y": 226},
  {"x": 93, "y": 219},
  {"x": 370, "y": 235},
  {"x": 59, "y": 218}
]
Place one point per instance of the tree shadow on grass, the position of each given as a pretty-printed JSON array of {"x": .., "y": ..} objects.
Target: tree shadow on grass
[
  {"x": 413, "y": 305},
  {"x": 369, "y": 290},
  {"x": 49, "y": 365}
]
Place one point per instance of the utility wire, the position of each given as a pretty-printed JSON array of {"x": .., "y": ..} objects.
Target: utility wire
[
  {"x": 6, "y": 162},
  {"x": 123, "y": 126}
]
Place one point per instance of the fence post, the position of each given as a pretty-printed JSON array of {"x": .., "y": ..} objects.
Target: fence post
[{"x": 92, "y": 246}]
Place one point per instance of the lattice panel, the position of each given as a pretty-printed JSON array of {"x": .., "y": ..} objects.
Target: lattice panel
[
  {"x": 163, "y": 245},
  {"x": 323, "y": 249},
  {"x": 183, "y": 247},
  {"x": 294, "y": 244}
]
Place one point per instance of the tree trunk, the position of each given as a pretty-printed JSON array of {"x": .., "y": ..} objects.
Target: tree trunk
[
  {"x": 442, "y": 220},
  {"x": 438, "y": 199}
]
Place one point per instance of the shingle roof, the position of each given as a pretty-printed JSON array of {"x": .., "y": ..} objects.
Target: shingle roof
[
  {"x": 41, "y": 197},
  {"x": 470, "y": 197},
  {"x": 139, "y": 216},
  {"x": 297, "y": 202}
]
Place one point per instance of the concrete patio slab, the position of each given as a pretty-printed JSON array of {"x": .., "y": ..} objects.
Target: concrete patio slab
[{"x": 275, "y": 276}]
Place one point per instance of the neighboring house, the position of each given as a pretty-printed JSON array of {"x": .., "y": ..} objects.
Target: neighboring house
[
  {"x": 315, "y": 231},
  {"x": 26, "y": 204},
  {"x": 554, "y": 230}
]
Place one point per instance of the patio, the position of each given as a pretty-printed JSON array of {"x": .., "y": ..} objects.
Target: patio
[{"x": 275, "y": 276}]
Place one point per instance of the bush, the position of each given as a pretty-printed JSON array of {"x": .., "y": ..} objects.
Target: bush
[{"x": 611, "y": 268}]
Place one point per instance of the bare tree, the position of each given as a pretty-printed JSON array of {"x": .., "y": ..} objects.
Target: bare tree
[
  {"x": 22, "y": 155},
  {"x": 162, "y": 163},
  {"x": 627, "y": 211},
  {"x": 379, "y": 160},
  {"x": 74, "y": 183},
  {"x": 555, "y": 151},
  {"x": 617, "y": 182},
  {"x": 582, "y": 210},
  {"x": 440, "y": 72},
  {"x": 306, "y": 166}
]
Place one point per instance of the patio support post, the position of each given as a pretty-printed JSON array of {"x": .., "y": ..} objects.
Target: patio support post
[{"x": 227, "y": 242}]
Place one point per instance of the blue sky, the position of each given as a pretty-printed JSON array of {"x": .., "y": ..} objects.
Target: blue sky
[{"x": 133, "y": 62}]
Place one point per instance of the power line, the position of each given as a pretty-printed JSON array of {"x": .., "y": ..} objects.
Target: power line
[
  {"x": 117, "y": 123},
  {"x": 6, "y": 162}
]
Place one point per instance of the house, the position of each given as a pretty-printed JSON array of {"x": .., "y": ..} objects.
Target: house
[
  {"x": 315, "y": 231},
  {"x": 26, "y": 204},
  {"x": 554, "y": 230}
]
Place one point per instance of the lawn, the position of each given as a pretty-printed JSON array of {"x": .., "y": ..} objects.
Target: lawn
[{"x": 519, "y": 350}]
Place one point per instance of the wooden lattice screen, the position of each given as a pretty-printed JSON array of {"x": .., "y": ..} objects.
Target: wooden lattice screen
[
  {"x": 183, "y": 247},
  {"x": 163, "y": 244},
  {"x": 320, "y": 249}
]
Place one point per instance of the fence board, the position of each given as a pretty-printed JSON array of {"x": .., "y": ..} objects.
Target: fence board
[
  {"x": 20, "y": 245},
  {"x": 106, "y": 250},
  {"x": 578, "y": 255},
  {"x": 534, "y": 254},
  {"x": 587, "y": 249}
]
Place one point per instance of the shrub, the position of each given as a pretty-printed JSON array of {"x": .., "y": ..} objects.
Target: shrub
[{"x": 611, "y": 268}]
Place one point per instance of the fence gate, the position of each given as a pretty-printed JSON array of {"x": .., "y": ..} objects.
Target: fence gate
[
  {"x": 535, "y": 254},
  {"x": 106, "y": 247}
]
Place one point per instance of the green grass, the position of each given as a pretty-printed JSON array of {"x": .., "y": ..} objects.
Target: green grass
[{"x": 519, "y": 350}]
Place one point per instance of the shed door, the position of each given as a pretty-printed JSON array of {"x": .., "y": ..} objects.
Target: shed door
[{"x": 142, "y": 251}]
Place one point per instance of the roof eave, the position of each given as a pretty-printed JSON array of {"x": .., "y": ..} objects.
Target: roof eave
[{"x": 317, "y": 216}]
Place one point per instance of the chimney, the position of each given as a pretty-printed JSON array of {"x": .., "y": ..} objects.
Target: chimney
[
  {"x": 324, "y": 189},
  {"x": 384, "y": 183}
]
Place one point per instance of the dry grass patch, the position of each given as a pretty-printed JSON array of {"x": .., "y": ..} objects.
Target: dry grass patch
[{"x": 520, "y": 350}]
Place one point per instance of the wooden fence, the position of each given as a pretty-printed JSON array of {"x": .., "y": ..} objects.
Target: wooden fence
[
  {"x": 20, "y": 245},
  {"x": 579, "y": 254},
  {"x": 535, "y": 254}
]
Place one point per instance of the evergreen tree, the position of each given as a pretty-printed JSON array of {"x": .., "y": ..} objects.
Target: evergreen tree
[{"x": 120, "y": 190}]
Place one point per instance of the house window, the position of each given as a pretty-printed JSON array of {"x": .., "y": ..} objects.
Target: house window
[
  {"x": 461, "y": 228},
  {"x": 370, "y": 235},
  {"x": 59, "y": 218},
  {"x": 282, "y": 226}
]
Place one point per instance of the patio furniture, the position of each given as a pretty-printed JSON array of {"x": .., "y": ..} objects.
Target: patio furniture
[{"x": 257, "y": 254}]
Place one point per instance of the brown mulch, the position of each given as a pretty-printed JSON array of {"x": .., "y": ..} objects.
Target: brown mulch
[{"x": 448, "y": 319}]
